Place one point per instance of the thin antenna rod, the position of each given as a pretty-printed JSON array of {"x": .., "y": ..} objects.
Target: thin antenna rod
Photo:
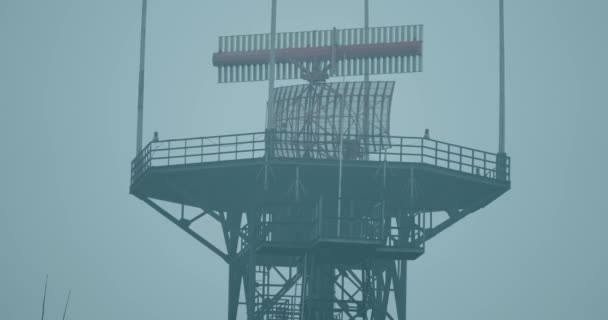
[
  {"x": 44, "y": 297},
  {"x": 142, "y": 58},
  {"x": 271, "y": 67},
  {"x": 366, "y": 26},
  {"x": 65, "y": 310},
  {"x": 501, "y": 120},
  {"x": 366, "y": 112}
]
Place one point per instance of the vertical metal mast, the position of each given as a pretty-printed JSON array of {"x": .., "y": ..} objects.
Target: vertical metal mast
[
  {"x": 366, "y": 26},
  {"x": 65, "y": 310},
  {"x": 140, "y": 97},
  {"x": 501, "y": 116},
  {"x": 44, "y": 297},
  {"x": 271, "y": 67},
  {"x": 366, "y": 82}
]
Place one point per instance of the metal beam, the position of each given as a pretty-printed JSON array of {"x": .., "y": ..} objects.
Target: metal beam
[
  {"x": 191, "y": 221},
  {"x": 344, "y": 306},
  {"x": 180, "y": 224},
  {"x": 454, "y": 216},
  {"x": 457, "y": 215}
]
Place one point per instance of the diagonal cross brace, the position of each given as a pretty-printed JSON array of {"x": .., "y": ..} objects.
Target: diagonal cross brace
[
  {"x": 180, "y": 224},
  {"x": 286, "y": 287},
  {"x": 457, "y": 215}
]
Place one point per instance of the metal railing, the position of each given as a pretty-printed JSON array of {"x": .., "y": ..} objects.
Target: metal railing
[{"x": 284, "y": 145}]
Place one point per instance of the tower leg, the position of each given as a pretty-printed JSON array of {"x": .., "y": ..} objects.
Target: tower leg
[
  {"x": 235, "y": 271},
  {"x": 381, "y": 293},
  {"x": 250, "y": 289},
  {"x": 234, "y": 289},
  {"x": 400, "y": 281},
  {"x": 321, "y": 291}
]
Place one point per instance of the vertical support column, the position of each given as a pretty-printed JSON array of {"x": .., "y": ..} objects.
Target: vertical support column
[
  {"x": 340, "y": 171},
  {"x": 400, "y": 282},
  {"x": 382, "y": 290},
  {"x": 235, "y": 273},
  {"x": 323, "y": 290},
  {"x": 405, "y": 223},
  {"x": 366, "y": 83},
  {"x": 234, "y": 289},
  {"x": 501, "y": 157},
  {"x": 377, "y": 294},
  {"x": 383, "y": 232},
  {"x": 368, "y": 287},
  {"x": 304, "y": 289},
  {"x": 501, "y": 124},
  {"x": 271, "y": 67},
  {"x": 250, "y": 289},
  {"x": 386, "y": 292},
  {"x": 318, "y": 292},
  {"x": 140, "y": 96}
]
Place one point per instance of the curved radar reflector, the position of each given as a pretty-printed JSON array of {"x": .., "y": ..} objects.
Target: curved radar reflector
[{"x": 310, "y": 119}]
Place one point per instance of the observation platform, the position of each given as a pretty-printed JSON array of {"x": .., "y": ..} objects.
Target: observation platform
[
  {"x": 230, "y": 172},
  {"x": 293, "y": 184}
]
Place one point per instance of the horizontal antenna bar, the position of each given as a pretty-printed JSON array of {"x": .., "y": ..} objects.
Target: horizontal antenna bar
[
  {"x": 320, "y": 38},
  {"x": 387, "y": 50},
  {"x": 396, "y": 49}
]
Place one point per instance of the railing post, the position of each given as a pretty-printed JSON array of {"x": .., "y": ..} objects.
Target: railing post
[
  {"x": 460, "y": 160},
  {"x": 485, "y": 171},
  {"x": 169, "y": 154},
  {"x": 253, "y": 146},
  {"x": 449, "y": 152},
  {"x": 269, "y": 142},
  {"x": 473, "y": 166},
  {"x": 401, "y": 150},
  {"x": 185, "y": 150},
  {"x": 501, "y": 166}
]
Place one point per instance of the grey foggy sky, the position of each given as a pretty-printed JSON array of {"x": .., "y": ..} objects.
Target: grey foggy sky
[{"x": 68, "y": 81}]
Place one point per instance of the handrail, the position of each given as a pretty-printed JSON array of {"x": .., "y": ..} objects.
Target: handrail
[{"x": 315, "y": 146}]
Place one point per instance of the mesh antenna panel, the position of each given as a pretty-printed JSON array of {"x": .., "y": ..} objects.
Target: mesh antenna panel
[{"x": 310, "y": 118}]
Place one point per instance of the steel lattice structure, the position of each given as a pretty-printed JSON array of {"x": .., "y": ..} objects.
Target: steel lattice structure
[{"x": 321, "y": 212}]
